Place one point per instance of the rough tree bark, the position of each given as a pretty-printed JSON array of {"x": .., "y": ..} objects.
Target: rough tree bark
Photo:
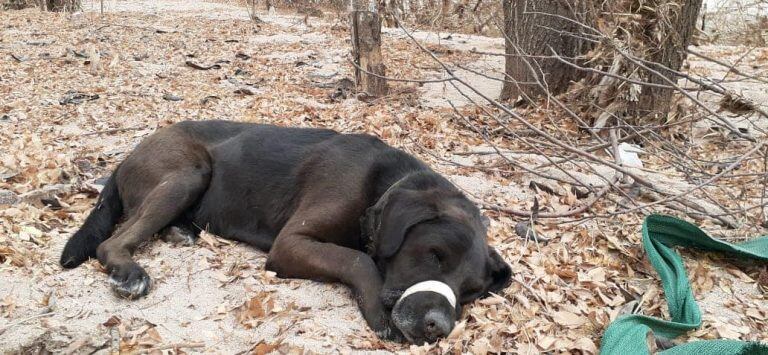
[
  {"x": 671, "y": 29},
  {"x": 388, "y": 9},
  {"x": 366, "y": 48},
  {"x": 61, "y": 5},
  {"x": 535, "y": 28}
]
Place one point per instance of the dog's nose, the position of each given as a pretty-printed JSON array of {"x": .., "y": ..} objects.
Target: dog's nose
[{"x": 436, "y": 325}]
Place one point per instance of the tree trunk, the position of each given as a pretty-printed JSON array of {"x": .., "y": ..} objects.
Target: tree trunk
[
  {"x": 445, "y": 9},
  {"x": 62, "y": 5},
  {"x": 388, "y": 10},
  {"x": 366, "y": 48},
  {"x": 674, "y": 23},
  {"x": 537, "y": 28}
]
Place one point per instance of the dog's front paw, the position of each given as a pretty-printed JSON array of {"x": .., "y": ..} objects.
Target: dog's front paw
[
  {"x": 385, "y": 329},
  {"x": 390, "y": 333},
  {"x": 130, "y": 282}
]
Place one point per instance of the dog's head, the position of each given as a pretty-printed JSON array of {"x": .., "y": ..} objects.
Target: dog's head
[{"x": 429, "y": 242}]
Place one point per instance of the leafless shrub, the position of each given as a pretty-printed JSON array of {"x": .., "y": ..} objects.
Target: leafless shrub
[
  {"x": 742, "y": 22},
  {"x": 725, "y": 185},
  {"x": 60, "y": 5},
  {"x": 17, "y": 4}
]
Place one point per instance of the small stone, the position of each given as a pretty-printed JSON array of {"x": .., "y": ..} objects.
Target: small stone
[
  {"x": 75, "y": 98},
  {"x": 172, "y": 97},
  {"x": 101, "y": 181},
  {"x": 84, "y": 165},
  {"x": 52, "y": 202},
  {"x": 8, "y": 197},
  {"x": 524, "y": 230},
  {"x": 245, "y": 90}
]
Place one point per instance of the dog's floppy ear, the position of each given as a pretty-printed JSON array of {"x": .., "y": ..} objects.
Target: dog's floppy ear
[
  {"x": 499, "y": 272},
  {"x": 386, "y": 223}
]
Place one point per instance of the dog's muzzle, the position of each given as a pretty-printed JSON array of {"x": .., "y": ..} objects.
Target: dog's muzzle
[{"x": 425, "y": 312}]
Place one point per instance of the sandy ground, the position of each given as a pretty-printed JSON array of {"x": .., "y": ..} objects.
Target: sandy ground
[
  {"x": 192, "y": 302},
  {"x": 201, "y": 292}
]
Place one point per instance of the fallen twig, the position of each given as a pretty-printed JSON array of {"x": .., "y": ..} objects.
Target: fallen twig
[
  {"x": 700, "y": 185},
  {"x": 419, "y": 81},
  {"x": 177, "y": 346},
  {"x": 730, "y": 67},
  {"x": 581, "y": 209},
  {"x": 24, "y": 320},
  {"x": 116, "y": 130}
]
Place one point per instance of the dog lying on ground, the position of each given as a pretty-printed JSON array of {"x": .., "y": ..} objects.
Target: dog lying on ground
[{"x": 326, "y": 206}]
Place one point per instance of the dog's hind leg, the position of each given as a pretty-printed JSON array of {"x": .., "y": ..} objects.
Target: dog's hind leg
[{"x": 162, "y": 205}]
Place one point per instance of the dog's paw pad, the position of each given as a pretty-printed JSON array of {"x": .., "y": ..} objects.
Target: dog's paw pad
[
  {"x": 180, "y": 236},
  {"x": 135, "y": 285}
]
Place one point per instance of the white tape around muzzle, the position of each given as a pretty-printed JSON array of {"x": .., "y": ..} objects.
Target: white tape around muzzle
[{"x": 431, "y": 286}]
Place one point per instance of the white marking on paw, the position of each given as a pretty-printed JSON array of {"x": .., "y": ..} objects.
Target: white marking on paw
[
  {"x": 177, "y": 235},
  {"x": 113, "y": 282},
  {"x": 383, "y": 333},
  {"x": 131, "y": 289}
]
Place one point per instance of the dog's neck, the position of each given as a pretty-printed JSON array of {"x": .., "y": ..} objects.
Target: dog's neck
[
  {"x": 382, "y": 184},
  {"x": 390, "y": 167},
  {"x": 389, "y": 187}
]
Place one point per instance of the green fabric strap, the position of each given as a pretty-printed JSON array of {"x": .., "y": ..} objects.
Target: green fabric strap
[{"x": 627, "y": 334}]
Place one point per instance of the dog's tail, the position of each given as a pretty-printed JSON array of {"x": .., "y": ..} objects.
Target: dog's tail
[{"x": 97, "y": 228}]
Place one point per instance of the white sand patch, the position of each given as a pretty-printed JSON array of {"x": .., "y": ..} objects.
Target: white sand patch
[{"x": 491, "y": 66}]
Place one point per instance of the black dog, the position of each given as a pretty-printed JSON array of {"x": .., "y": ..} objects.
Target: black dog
[{"x": 325, "y": 206}]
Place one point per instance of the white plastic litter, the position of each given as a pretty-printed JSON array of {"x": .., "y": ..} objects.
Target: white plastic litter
[{"x": 629, "y": 155}]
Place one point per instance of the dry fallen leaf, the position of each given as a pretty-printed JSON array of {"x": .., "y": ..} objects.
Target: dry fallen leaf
[
  {"x": 111, "y": 322},
  {"x": 59, "y": 153},
  {"x": 568, "y": 319},
  {"x": 586, "y": 345}
]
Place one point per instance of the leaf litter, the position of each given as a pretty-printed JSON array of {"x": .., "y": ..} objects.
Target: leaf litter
[{"x": 121, "y": 74}]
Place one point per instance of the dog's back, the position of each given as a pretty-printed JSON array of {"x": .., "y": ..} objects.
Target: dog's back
[
  {"x": 236, "y": 179},
  {"x": 255, "y": 181}
]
